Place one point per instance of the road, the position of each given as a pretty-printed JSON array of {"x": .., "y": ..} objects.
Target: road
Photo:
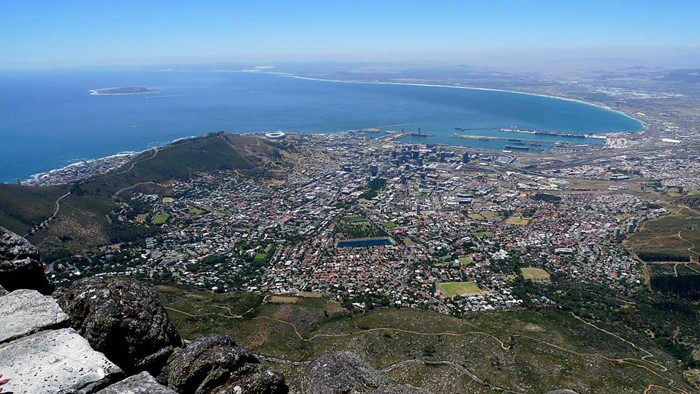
[{"x": 52, "y": 217}]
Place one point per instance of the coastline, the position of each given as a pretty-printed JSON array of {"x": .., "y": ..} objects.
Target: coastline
[
  {"x": 79, "y": 170},
  {"x": 601, "y": 106},
  {"x": 107, "y": 163},
  {"x": 35, "y": 177}
]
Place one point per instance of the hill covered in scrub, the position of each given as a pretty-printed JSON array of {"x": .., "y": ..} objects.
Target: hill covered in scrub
[{"x": 84, "y": 210}]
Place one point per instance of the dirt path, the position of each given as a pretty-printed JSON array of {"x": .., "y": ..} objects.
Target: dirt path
[
  {"x": 459, "y": 367},
  {"x": 52, "y": 217},
  {"x": 692, "y": 245},
  {"x": 644, "y": 363}
]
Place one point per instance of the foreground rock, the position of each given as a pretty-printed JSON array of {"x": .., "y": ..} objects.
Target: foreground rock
[
  {"x": 59, "y": 361},
  {"x": 142, "y": 383},
  {"x": 215, "y": 364},
  {"x": 346, "y": 373},
  {"x": 123, "y": 319},
  {"x": 20, "y": 267},
  {"x": 24, "y": 312}
]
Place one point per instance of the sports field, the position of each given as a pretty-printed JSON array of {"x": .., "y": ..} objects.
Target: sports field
[
  {"x": 160, "y": 218},
  {"x": 452, "y": 289},
  {"x": 534, "y": 273}
]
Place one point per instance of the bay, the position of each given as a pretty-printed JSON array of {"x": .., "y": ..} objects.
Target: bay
[{"x": 49, "y": 119}]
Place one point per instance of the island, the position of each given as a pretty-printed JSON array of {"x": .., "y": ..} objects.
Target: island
[{"x": 122, "y": 91}]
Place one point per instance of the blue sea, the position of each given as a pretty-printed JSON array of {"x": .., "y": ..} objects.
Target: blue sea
[{"x": 49, "y": 119}]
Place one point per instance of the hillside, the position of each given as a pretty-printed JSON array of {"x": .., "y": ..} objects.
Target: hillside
[
  {"x": 519, "y": 351},
  {"x": 84, "y": 217},
  {"x": 184, "y": 158},
  {"x": 22, "y": 207}
]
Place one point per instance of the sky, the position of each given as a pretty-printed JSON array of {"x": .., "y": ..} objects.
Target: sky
[{"x": 127, "y": 32}]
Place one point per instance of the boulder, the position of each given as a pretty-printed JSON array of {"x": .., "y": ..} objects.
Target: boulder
[
  {"x": 3, "y": 291},
  {"x": 142, "y": 383},
  {"x": 347, "y": 373},
  {"x": 215, "y": 364},
  {"x": 123, "y": 319},
  {"x": 55, "y": 361},
  {"x": 20, "y": 267},
  {"x": 27, "y": 311}
]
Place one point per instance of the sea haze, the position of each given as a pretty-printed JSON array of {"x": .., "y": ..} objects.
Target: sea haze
[{"x": 49, "y": 119}]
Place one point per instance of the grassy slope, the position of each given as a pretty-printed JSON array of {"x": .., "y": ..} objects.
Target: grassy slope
[
  {"x": 543, "y": 350},
  {"x": 22, "y": 207},
  {"x": 82, "y": 221},
  {"x": 177, "y": 161},
  {"x": 661, "y": 235}
]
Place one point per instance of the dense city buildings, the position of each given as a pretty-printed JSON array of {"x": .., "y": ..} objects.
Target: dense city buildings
[{"x": 375, "y": 221}]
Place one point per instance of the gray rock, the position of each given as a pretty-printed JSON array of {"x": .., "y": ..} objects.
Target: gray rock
[
  {"x": 123, "y": 319},
  {"x": 20, "y": 267},
  {"x": 3, "y": 291},
  {"x": 347, "y": 373},
  {"x": 142, "y": 383},
  {"x": 59, "y": 361},
  {"x": 26, "y": 311},
  {"x": 215, "y": 364}
]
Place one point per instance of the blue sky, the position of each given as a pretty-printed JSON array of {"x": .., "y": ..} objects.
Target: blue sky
[{"x": 85, "y": 33}]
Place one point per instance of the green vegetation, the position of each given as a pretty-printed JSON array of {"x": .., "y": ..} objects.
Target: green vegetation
[
  {"x": 373, "y": 188},
  {"x": 355, "y": 219},
  {"x": 357, "y": 229},
  {"x": 196, "y": 211},
  {"x": 687, "y": 286},
  {"x": 390, "y": 225},
  {"x": 483, "y": 234},
  {"x": 539, "y": 349},
  {"x": 160, "y": 218},
  {"x": 534, "y": 273},
  {"x": 452, "y": 289},
  {"x": 466, "y": 260},
  {"x": 546, "y": 197},
  {"x": 674, "y": 237},
  {"x": 184, "y": 158},
  {"x": 518, "y": 221},
  {"x": 23, "y": 207},
  {"x": 90, "y": 215},
  {"x": 260, "y": 256},
  {"x": 119, "y": 232}
]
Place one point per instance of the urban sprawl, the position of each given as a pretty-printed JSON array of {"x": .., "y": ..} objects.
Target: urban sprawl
[{"x": 375, "y": 221}]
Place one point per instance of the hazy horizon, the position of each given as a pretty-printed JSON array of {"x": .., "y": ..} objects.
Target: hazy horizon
[{"x": 503, "y": 34}]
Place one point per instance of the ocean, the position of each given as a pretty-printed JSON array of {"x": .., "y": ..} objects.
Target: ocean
[{"x": 49, "y": 119}]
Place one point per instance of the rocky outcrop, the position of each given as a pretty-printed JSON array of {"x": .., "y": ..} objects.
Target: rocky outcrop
[
  {"x": 24, "y": 312},
  {"x": 215, "y": 364},
  {"x": 2, "y": 291},
  {"x": 123, "y": 319},
  {"x": 347, "y": 373},
  {"x": 142, "y": 383},
  {"x": 20, "y": 267},
  {"x": 55, "y": 361}
]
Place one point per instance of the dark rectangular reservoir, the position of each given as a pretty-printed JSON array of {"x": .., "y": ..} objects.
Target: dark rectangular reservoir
[{"x": 363, "y": 242}]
